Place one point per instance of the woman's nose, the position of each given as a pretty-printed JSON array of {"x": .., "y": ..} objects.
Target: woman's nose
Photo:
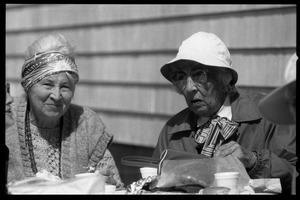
[
  {"x": 9, "y": 99},
  {"x": 56, "y": 93},
  {"x": 190, "y": 84}
]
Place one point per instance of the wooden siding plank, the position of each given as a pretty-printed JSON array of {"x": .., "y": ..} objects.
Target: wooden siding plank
[
  {"x": 145, "y": 131},
  {"x": 36, "y": 16},
  {"x": 150, "y": 100},
  {"x": 147, "y": 102},
  {"x": 146, "y": 69},
  {"x": 264, "y": 31}
]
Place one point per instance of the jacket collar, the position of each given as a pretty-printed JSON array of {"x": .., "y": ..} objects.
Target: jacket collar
[{"x": 244, "y": 107}]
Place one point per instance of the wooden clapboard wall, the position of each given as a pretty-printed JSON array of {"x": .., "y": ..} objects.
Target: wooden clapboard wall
[{"x": 120, "y": 49}]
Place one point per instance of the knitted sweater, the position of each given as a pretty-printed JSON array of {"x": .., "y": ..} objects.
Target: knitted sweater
[{"x": 84, "y": 143}]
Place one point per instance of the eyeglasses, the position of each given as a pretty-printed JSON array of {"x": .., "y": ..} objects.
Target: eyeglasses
[
  {"x": 7, "y": 86},
  {"x": 179, "y": 78}
]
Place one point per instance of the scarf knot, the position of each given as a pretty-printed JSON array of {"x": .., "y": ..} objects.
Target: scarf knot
[{"x": 213, "y": 133}]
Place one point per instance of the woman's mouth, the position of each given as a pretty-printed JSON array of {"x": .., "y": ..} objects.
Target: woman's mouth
[
  {"x": 8, "y": 113},
  {"x": 196, "y": 102},
  {"x": 55, "y": 105},
  {"x": 8, "y": 109}
]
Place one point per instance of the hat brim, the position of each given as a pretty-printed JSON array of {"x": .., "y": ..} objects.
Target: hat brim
[
  {"x": 275, "y": 108},
  {"x": 166, "y": 69}
]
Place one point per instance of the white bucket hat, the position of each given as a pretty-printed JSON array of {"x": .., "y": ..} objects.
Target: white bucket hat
[
  {"x": 274, "y": 106},
  {"x": 204, "y": 48}
]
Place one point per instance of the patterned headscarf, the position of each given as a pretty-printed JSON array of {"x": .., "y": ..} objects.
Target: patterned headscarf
[{"x": 45, "y": 64}]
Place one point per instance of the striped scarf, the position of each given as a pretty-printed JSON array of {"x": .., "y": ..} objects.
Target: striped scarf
[{"x": 213, "y": 133}]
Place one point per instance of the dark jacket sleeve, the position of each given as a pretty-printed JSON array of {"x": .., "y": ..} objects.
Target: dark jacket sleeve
[
  {"x": 275, "y": 144},
  {"x": 279, "y": 158}
]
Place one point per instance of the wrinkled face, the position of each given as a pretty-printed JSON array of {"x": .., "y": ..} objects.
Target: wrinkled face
[
  {"x": 200, "y": 86},
  {"x": 8, "y": 114},
  {"x": 51, "y": 97}
]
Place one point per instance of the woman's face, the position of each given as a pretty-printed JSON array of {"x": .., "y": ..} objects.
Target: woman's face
[
  {"x": 8, "y": 114},
  {"x": 51, "y": 97},
  {"x": 205, "y": 96}
]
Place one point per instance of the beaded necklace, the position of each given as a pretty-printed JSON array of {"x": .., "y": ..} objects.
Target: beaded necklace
[{"x": 28, "y": 141}]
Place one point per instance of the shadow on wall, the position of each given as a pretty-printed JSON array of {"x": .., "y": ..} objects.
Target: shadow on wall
[{"x": 128, "y": 174}]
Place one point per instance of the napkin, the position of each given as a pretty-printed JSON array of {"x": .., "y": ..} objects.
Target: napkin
[{"x": 45, "y": 184}]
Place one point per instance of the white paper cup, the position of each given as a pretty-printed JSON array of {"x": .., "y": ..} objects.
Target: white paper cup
[
  {"x": 109, "y": 189},
  {"x": 228, "y": 179},
  {"x": 148, "y": 171}
]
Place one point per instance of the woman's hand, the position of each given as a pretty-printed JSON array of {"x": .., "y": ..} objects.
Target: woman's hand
[
  {"x": 108, "y": 176},
  {"x": 232, "y": 148}
]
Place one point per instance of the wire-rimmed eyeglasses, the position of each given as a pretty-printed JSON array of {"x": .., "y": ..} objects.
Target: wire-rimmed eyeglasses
[{"x": 179, "y": 78}]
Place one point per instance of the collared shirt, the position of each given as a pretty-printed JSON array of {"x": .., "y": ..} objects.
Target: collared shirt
[{"x": 225, "y": 110}]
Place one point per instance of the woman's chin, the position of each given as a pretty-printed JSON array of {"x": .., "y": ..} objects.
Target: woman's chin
[
  {"x": 200, "y": 110},
  {"x": 53, "y": 115}
]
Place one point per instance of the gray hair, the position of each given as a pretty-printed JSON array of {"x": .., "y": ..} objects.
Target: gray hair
[
  {"x": 225, "y": 77},
  {"x": 51, "y": 42}
]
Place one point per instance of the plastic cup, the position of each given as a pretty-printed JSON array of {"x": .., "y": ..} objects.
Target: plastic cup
[
  {"x": 148, "y": 171},
  {"x": 110, "y": 189},
  {"x": 229, "y": 180}
]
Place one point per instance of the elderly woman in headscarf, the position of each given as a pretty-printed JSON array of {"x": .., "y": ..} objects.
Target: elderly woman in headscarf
[
  {"x": 9, "y": 121},
  {"x": 51, "y": 133}
]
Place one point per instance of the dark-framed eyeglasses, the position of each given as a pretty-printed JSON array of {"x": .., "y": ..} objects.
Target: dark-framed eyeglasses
[{"x": 179, "y": 78}]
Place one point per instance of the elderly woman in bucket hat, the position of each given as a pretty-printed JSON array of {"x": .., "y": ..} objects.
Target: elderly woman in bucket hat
[
  {"x": 50, "y": 132},
  {"x": 222, "y": 119}
]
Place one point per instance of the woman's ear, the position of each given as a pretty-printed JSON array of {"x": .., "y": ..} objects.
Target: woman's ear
[{"x": 226, "y": 89}]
